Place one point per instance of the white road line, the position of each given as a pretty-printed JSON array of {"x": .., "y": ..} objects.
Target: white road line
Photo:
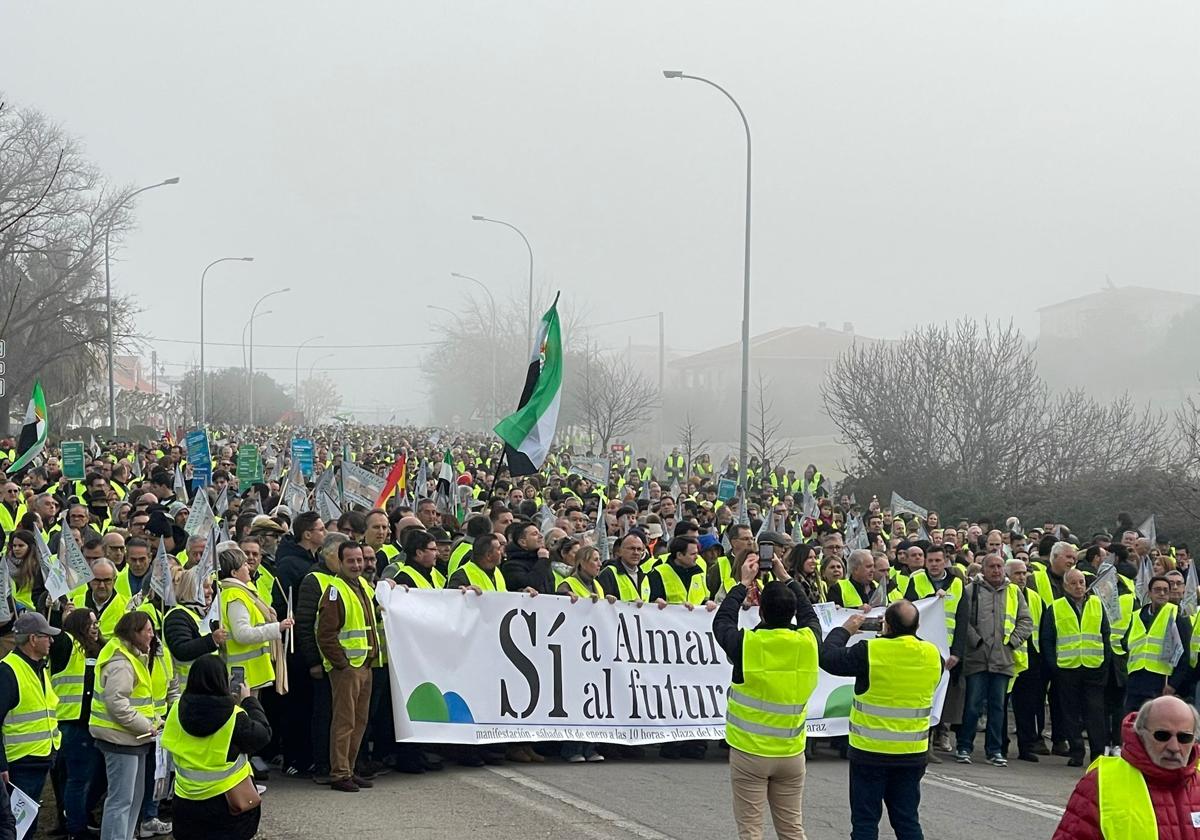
[
  {"x": 990, "y": 794},
  {"x": 625, "y": 824}
]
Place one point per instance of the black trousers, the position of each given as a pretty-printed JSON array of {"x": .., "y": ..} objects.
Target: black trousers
[
  {"x": 297, "y": 713},
  {"x": 1082, "y": 693},
  {"x": 1029, "y": 705},
  {"x": 898, "y": 787}
]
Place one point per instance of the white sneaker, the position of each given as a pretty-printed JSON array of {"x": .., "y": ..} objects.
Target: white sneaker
[
  {"x": 261, "y": 789},
  {"x": 576, "y": 759},
  {"x": 154, "y": 828},
  {"x": 594, "y": 757},
  {"x": 1116, "y": 751}
]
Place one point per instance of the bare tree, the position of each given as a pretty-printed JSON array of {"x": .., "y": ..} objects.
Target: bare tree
[
  {"x": 54, "y": 210},
  {"x": 765, "y": 440},
  {"x": 614, "y": 398},
  {"x": 691, "y": 443},
  {"x": 319, "y": 398}
]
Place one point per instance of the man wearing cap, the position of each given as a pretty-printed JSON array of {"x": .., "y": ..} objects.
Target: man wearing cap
[{"x": 28, "y": 718}]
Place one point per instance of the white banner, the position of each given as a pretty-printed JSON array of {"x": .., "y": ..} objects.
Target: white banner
[{"x": 469, "y": 669}]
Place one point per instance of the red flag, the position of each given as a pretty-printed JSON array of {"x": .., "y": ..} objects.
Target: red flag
[{"x": 396, "y": 480}]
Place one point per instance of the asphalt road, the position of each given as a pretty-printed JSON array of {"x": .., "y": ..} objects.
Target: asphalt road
[{"x": 651, "y": 799}]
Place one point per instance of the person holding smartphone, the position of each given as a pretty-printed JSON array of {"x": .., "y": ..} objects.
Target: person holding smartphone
[{"x": 765, "y": 718}]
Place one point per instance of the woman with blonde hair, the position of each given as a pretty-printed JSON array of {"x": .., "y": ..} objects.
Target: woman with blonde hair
[{"x": 255, "y": 635}]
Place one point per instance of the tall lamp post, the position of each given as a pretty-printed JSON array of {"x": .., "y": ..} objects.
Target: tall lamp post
[
  {"x": 252, "y": 312},
  {"x": 203, "y": 274},
  {"x": 495, "y": 337},
  {"x": 743, "y": 442},
  {"x": 298, "y": 349},
  {"x": 525, "y": 239},
  {"x": 112, "y": 380}
]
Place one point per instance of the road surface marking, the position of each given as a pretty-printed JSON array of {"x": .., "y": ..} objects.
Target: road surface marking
[
  {"x": 991, "y": 794},
  {"x": 627, "y": 825}
]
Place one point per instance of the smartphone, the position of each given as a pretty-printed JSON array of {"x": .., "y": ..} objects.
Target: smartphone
[
  {"x": 237, "y": 678},
  {"x": 766, "y": 556},
  {"x": 873, "y": 625},
  {"x": 213, "y": 625}
]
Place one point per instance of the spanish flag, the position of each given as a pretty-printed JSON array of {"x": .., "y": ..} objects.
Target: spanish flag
[{"x": 397, "y": 481}]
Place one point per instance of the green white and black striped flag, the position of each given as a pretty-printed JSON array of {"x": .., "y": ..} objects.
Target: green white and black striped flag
[{"x": 529, "y": 431}]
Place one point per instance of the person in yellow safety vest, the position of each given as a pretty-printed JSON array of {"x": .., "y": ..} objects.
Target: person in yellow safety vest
[
  {"x": 72, "y": 667},
  {"x": 680, "y": 580},
  {"x": 476, "y": 526},
  {"x": 183, "y": 634},
  {"x": 420, "y": 572},
  {"x": 774, "y": 675},
  {"x": 1149, "y": 789},
  {"x": 933, "y": 574},
  {"x": 379, "y": 531},
  {"x": 858, "y": 586},
  {"x": 583, "y": 582},
  {"x": 100, "y": 597},
  {"x": 675, "y": 467},
  {"x": 1028, "y": 688},
  {"x": 12, "y": 507},
  {"x": 895, "y": 676},
  {"x": 644, "y": 473},
  {"x": 624, "y": 577},
  {"x": 125, "y": 719},
  {"x": 1048, "y": 581},
  {"x": 1149, "y": 645},
  {"x": 28, "y": 707},
  {"x": 137, "y": 567},
  {"x": 261, "y": 577},
  {"x": 254, "y": 632},
  {"x": 1075, "y": 648},
  {"x": 210, "y": 734},
  {"x": 992, "y": 622},
  {"x": 348, "y": 638},
  {"x": 881, "y": 572},
  {"x": 814, "y": 482},
  {"x": 704, "y": 467},
  {"x": 721, "y": 575}
]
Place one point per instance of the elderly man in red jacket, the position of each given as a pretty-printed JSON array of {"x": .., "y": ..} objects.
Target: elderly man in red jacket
[{"x": 1151, "y": 789}]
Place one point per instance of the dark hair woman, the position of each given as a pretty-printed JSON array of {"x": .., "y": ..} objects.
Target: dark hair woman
[
  {"x": 210, "y": 734},
  {"x": 73, "y": 674}
]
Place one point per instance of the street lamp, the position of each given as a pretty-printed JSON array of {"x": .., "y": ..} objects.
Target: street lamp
[
  {"x": 529, "y": 321},
  {"x": 112, "y": 381},
  {"x": 298, "y": 349},
  {"x": 743, "y": 443},
  {"x": 494, "y": 339},
  {"x": 252, "y": 311},
  {"x": 203, "y": 415}
]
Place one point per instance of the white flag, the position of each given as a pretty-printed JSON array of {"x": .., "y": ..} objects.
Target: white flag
[
  {"x": 200, "y": 517},
  {"x": 1190, "y": 587},
  {"x": 1104, "y": 587},
  {"x": 1141, "y": 583},
  {"x": 52, "y": 570},
  {"x": 75, "y": 566},
  {"x": 222, "y": 502},
  {"x": 180, "y": 485},
  {"x": 902, "y": 505},
  {"x": 1148, "y": 530},
  {"x": 213, "y": 617},
  {"x": 162, "y": 583},
  {"x": 5, "y": 590}
]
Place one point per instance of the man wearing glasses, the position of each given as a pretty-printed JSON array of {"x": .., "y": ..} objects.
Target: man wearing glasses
[{"x": 1149, "y": 788}]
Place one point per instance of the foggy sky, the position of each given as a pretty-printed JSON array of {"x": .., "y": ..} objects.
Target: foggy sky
[{"x": 913, "y": 161}]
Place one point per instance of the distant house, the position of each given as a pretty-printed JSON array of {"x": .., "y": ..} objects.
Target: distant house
[
  {"x": 1112, "y": 311},
  {"x": 130, "y": 375},
  {"x": 791, "y": 360}
]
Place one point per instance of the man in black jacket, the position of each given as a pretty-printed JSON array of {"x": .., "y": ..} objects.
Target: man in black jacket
[
  {"x": 526, "y": 561},
  {"x": 294, "y": 559}
]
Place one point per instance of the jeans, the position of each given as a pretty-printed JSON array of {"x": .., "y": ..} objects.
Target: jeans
[
  {"x": 149, "y": 809},
  {"x": 124, "y": 801},
  {"x": 81, "y": 759},
  {"x": 896, "y": 785},
  {"x": 984, "y": 689},
  {"x": 29, "y": 774}
]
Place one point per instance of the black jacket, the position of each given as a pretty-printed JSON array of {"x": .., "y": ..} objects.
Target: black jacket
[
  {"x": 201, "y": 715},
  {"x": 522, "y": 568},
  {"x": 308, "y": 597},
  {"x": 292, "y": 563},
  {"x": 730, "y": 636},
  {"x": 183, "y": 638}
]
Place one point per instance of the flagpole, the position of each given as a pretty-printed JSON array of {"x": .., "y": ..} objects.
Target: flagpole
[{"x": 496, "y": 474}]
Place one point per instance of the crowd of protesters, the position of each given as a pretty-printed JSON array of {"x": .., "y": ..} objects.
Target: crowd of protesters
[{"x": 298, "y": 630}]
